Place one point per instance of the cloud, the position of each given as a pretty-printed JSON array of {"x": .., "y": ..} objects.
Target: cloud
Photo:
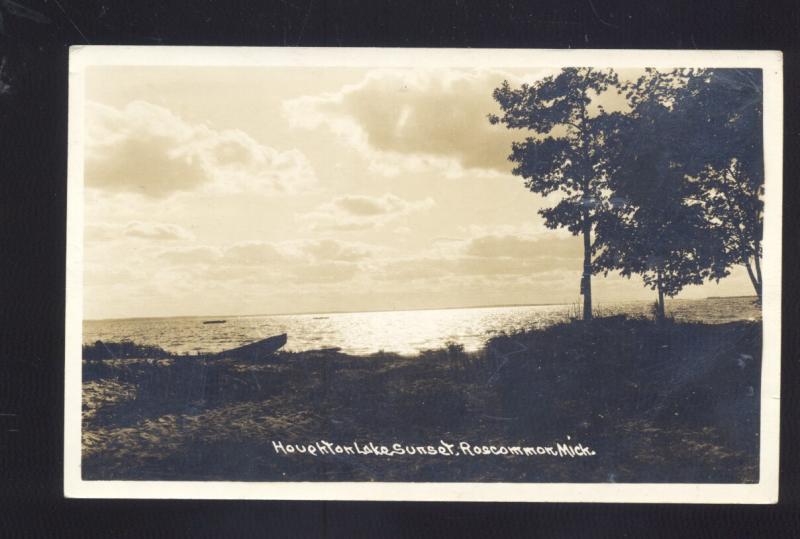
[
  {"x": 529, "y": 229},
  {"x": 327, "y": 272},
  {"x": 157, "y": 231},
  {"x": 490, "y": 256},
  {"x": 523, "y": 248},
  {"x": 95, "y": 275},
  {"x": 360, "y": 212},
  {"x": 94, "y": 232},
  {"x": 137, "y": 230},
  {"x": 412, "y": 118},
  {"x": 148, "y": 150},
  {"x": 253, "y": 253},
  {"x": 361, "y": 206},
  {"x": 191, "y": 256},
  {"x": 276, "y": 263},
  {"x": 335, "y": 250},
  {"x": 314, "y": 274}
]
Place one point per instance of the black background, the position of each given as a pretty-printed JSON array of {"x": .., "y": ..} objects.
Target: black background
[{"x": 33, "y": 127}]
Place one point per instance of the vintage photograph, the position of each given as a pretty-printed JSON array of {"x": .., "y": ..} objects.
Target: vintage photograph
[{"x": 423, "y": 274}]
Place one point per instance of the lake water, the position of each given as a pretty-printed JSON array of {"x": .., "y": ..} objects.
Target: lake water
[{"x": 405, "y": 332}]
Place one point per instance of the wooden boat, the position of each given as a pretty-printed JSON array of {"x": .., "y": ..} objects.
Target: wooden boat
[
  {"x": 256, "y": 350},
  {"x": 214, "y": 321}
]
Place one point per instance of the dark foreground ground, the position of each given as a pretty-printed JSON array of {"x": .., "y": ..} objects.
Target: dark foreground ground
[{"x": 675, "y": 402}]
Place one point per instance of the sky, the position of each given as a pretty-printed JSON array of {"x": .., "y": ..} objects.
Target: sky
[{"x": 266, "y": 190}]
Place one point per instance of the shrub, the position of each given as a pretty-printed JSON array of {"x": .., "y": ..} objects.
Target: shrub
[{"x": 124, "y": 349}]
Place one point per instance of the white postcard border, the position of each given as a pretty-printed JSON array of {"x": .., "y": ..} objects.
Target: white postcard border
[{"x": 765, "y": 491}]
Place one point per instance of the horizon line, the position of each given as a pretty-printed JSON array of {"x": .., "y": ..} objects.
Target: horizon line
[{"x": 450, "y": 308}]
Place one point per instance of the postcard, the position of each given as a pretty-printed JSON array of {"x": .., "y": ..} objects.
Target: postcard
[{"x": 423, "y": 274}]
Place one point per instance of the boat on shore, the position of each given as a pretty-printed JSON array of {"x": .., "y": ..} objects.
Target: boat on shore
[
  {"x": 256, "y": 350},
  {"x": 214, "y": 321}
]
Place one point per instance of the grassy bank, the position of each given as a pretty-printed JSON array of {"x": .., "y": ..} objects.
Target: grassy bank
[{"x": 672, "y": 402}]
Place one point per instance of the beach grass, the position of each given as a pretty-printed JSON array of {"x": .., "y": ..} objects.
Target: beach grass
[{"x": 656, "y": 402}]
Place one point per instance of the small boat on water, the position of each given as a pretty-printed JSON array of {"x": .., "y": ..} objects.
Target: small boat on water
[
  {"x": 256, "y": 350},
  {"x": 214, "y": 321}
]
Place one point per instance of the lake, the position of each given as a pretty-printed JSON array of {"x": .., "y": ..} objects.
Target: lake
[{"x": 404, "y": 332}]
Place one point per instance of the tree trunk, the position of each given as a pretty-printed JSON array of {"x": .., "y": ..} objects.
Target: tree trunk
[
  {"x": 586, "y": 279},
  {"x": 757, "y": 262},
  {"x": 660, "y": 311},
  {"x": 756, "y": 282}
]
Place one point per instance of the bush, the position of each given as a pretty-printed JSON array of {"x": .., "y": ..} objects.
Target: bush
[{"x": 121, "y": 350}]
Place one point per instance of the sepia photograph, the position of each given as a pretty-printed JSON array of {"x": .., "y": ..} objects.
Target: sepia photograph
[{"x": 410, "y": 274}]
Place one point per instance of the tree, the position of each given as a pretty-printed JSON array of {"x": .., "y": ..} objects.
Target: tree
[
  {"x": 735, "y": 211},
  {"x": 654, "y": 225},
  {"x": 567, "y": 155},
  {"x": 722, "y": 111}
]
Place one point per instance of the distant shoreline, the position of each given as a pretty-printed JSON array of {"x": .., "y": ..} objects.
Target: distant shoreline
[{"x": 454, "y": 308}]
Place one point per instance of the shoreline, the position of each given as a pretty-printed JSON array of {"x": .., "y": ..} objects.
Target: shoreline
[
  {"x": 668, "y": 402},
  {"x": 403, "y": 332}
]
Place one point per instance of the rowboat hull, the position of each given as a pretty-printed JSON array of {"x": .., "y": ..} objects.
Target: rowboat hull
[{"x": 256, "y": 350}]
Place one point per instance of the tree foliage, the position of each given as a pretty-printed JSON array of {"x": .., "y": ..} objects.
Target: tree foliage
[
  {"x": 722, "y": 110},
  {"x": 655, "y": 225},
  {"x": 687, "y": 189},
  {"x": 672, "y": 188},
  {"x": 566, "y": 156}
]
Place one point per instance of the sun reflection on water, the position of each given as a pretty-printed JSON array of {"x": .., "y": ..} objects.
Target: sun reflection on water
[{"x": 404, "y": 332}]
